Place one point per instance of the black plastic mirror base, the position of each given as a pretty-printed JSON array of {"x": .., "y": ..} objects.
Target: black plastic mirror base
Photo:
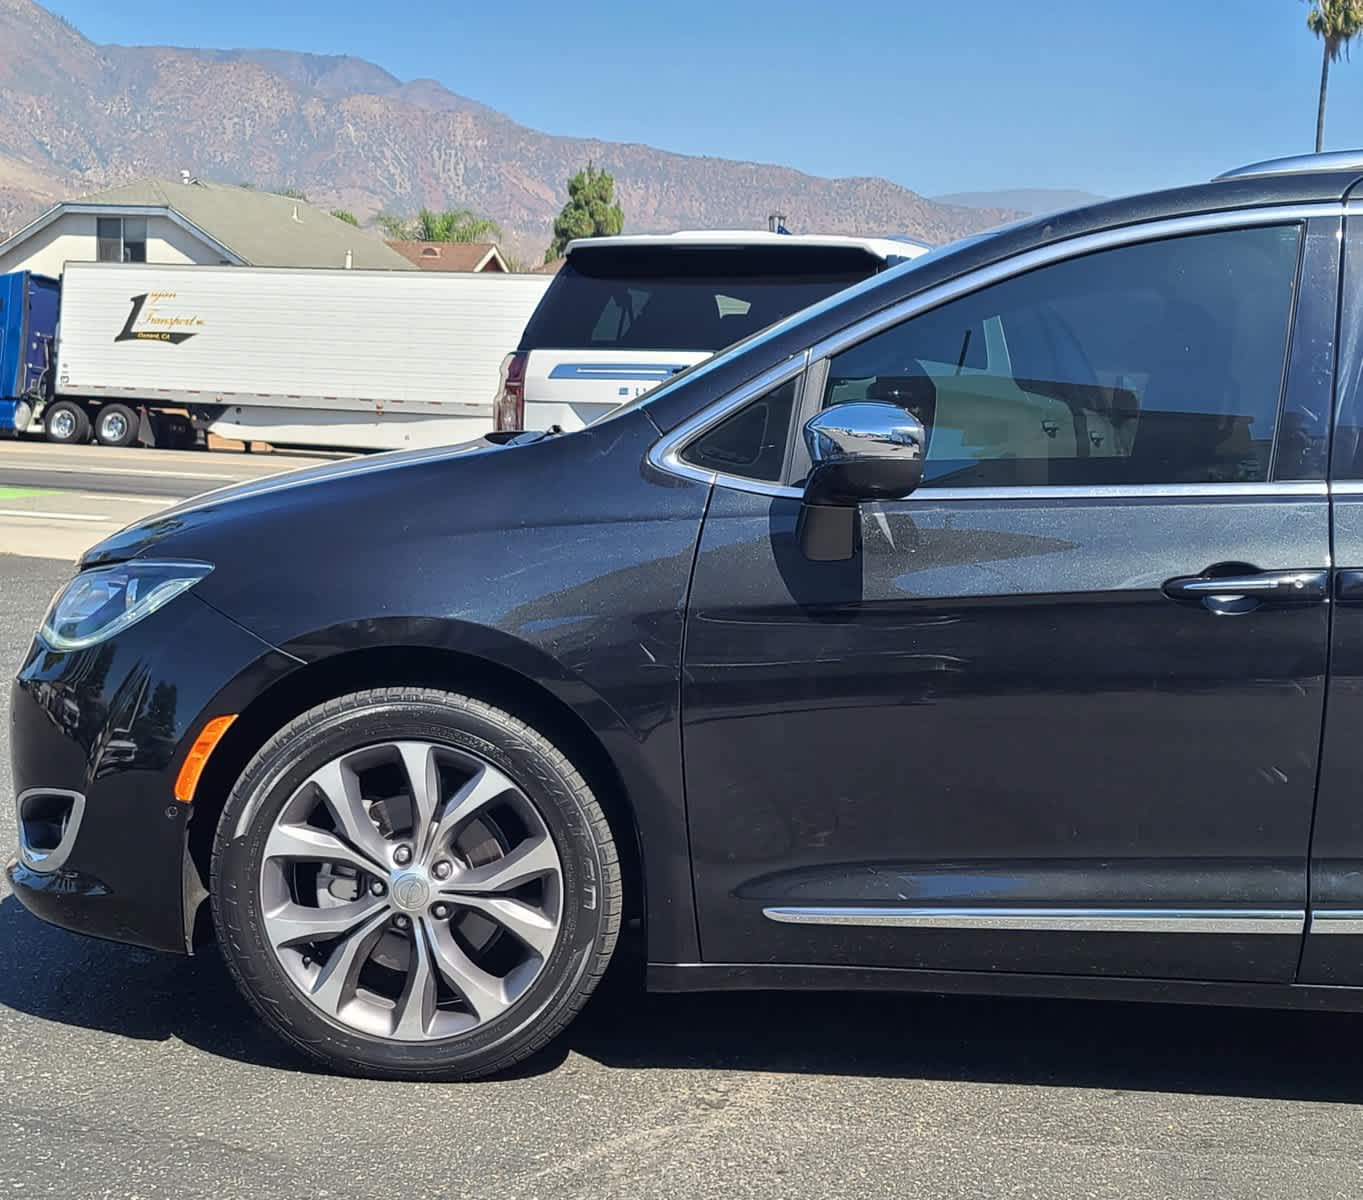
[{"x": 827, "y": 532}]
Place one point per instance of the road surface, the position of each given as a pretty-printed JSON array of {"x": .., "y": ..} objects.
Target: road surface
[{"x": 55, "y": 501}]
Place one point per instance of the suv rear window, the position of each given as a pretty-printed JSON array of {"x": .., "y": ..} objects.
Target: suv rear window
[{"x": 681, "y": 299}]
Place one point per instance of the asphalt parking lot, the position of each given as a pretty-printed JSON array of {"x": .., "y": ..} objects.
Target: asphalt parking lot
[{"x": 128, "y": 1074}]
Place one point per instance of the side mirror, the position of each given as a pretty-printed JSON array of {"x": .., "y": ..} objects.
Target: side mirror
[{"x": 863, "y": 450}]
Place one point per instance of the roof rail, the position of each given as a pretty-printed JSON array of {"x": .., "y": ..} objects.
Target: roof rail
[{"x": 1332, "y": 160}]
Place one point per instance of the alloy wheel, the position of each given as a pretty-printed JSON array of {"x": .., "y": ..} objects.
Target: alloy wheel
[{"x": 411, "y": 890}]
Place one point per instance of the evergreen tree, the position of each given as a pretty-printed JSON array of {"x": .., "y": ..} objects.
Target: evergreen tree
[{"x": 591, "y": 211}]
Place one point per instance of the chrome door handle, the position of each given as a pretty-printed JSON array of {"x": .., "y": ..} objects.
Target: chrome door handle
[
  {"x": 1349, "y": 586},
  {"x": 1231, "y": 594}
]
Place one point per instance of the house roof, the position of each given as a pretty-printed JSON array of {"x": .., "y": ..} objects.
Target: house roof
[
  {"x": 257, "y": 229},
  {"x": 452, "y": 256}
]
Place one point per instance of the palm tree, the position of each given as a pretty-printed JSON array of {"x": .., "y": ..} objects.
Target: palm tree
[
  {"x": 397, "y": 229},
  {"x": 1336, "y": 23},
  {"x": 459, "y": 225},
  {"x": 452, "y": 225}
]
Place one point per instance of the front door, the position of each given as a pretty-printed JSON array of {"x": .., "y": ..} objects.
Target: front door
[{"x": 1023, "y": 729}]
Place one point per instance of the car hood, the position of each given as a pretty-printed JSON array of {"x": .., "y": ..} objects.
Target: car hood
[{"x": 142, "y": 536}]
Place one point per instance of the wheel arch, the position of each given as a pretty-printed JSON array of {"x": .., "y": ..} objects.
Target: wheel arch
[{"x": 419, "y": 665}]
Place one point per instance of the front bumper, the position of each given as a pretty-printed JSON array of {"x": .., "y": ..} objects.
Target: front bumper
[{"x": 110, "y": 725}]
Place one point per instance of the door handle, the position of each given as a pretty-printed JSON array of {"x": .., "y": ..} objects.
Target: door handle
[
  {"x": 1349, "y": 586},
  {"x": 1244, "y": 591}
]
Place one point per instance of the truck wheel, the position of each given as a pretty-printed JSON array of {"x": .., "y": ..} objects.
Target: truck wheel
[
  {"x": 67, "y": 424},
  {"x": 116, "y": 425}
]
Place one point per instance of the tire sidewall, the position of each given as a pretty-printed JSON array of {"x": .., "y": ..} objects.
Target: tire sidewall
[{"x": 274, "y": 776}]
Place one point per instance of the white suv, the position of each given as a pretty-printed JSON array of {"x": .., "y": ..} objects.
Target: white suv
[{"x": 626, "y": 313}]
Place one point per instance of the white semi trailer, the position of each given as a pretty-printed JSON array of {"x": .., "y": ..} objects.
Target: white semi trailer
[{"x": 363, "y": 360}]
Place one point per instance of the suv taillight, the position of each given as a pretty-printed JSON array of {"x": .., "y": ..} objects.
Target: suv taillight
[{"x": 508, "y": 412}]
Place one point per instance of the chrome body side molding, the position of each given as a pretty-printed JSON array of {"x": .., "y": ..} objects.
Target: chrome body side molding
[
  {"x": 1058, "y": 920},
  {"x": 1337, "y": 920}
]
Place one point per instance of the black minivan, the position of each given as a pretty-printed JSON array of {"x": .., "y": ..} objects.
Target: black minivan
[{"x": 995, "y": 625}]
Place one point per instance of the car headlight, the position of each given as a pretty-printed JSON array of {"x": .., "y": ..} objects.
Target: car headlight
[{"x": 105, "y": 600}]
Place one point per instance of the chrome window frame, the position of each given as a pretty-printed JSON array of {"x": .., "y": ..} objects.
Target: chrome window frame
[{"x": 665, "y": 454}]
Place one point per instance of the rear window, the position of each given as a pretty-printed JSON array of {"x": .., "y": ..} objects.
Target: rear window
[{"x": 678, "y": 299}]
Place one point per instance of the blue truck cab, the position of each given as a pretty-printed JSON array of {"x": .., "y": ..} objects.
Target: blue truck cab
[{"x": 28, "y": 330}]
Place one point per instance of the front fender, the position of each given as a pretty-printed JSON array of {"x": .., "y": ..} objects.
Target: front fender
[{"x": 630, "y": 711}]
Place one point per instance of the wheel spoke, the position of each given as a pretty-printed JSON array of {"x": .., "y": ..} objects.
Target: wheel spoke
[
  {"x": 306, "y": 844},
  {"x": 527, "y": 923},
  {"x": 334, "y": 987},
  {"x": 486, "y": 786},
  {"x": 533, "y": 858},
  {"x": 416, "y": 1006},
  {"x": 423, "y": 779},
  {"x": 340, "y": 790},
  {"x": 291, "y": 924},
  {"x": 483, "y": 993}
]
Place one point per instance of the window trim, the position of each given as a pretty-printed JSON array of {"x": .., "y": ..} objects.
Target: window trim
[
  {"x": 665, "y": 454},
  {"x": 798, "y": 401}
]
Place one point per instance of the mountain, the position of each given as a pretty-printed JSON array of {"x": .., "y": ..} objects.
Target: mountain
[
  {"x": 76, "y": 117},
  {"x": 1033, "y": 201}
]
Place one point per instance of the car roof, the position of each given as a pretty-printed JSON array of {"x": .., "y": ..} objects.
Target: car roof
[
  {"x": 729, "y": 239},
  {"x": 1312, "y": 180}
]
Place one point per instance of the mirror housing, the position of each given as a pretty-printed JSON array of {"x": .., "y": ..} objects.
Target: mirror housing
[{"x": 862, "y": 450}]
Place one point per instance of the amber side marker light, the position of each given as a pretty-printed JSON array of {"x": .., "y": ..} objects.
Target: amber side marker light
[{"x": 197, "y": 758}]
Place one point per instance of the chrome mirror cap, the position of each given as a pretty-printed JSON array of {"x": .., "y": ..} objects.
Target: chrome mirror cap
[{"x": 863, "y": 450}]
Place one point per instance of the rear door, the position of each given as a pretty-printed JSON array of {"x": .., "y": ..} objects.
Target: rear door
[
  {"x": 618, "y": 321},
  {"x": 1024, "y": 729}
]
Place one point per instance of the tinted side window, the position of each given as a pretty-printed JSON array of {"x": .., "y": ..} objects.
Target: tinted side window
[
  {"x": 752, "y": 442},
  {"x": 1154, "y": 363}
]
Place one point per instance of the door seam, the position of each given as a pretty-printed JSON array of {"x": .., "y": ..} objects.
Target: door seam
[
  {"x": 681, "y": 718},
  {"x": 1331, "y": 576}
]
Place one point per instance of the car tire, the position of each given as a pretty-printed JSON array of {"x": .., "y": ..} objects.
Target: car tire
[
  {"x": 116, "y": 425},
  {"x": 66, "y": 424},
  {"x": 357, "y": 756}
]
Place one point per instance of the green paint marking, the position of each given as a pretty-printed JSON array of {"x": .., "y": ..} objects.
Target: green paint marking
[{"x": 21, "y": 493}]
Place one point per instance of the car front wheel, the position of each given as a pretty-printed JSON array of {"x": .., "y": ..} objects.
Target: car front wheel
[{"x": 409, "y": 883}]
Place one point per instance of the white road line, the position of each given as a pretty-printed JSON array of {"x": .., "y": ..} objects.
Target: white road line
[
  {"x": 120, "y": 498},
  {"x": 99, "y": 470},
  {"x": 36, "y": 515}
]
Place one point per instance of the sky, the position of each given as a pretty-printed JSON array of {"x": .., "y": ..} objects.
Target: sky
[{"x": 936, "y": 95}]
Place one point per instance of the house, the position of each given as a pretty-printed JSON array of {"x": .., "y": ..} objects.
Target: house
[
  {"x": 453, "y": 256},
  {"x": 159, "y": 221}
]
